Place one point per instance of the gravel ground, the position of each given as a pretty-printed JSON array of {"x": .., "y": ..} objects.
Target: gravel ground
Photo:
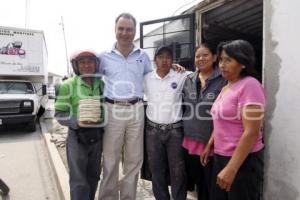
[{"x": 59, "y": 134}]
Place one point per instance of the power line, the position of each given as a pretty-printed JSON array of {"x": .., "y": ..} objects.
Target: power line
[{"x": 183, "y": 6}]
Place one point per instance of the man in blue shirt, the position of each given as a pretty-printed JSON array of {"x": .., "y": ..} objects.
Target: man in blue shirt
[{"x": 123, "y": 67}]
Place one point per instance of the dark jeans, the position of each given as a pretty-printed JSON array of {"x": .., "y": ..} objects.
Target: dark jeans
[
  {"x": 248, "y": 182},
  {"x": 166, "y": 161},
  {"x": 84, "y": 167},
  {"x": 199, "y": 175}
]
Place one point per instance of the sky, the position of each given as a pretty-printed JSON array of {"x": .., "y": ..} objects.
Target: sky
[{"x": 88, "y": 24}]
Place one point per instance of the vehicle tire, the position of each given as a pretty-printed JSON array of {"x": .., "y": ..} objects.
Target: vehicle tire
[
  {"x": 40, "y": 112},
  {"x": 4, "y": 189},
  {"x": 31, "y": 126}
]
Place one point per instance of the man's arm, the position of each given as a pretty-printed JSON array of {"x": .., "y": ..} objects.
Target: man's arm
[
  {"x": 65, "y": 119},
  {"x": 148, "y": 66},
  {"x": 100, "y": 69},
  {"x": 63, "y": 107}
]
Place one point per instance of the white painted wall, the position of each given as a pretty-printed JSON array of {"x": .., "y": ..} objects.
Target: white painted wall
[{"x": 282, "y": 82}]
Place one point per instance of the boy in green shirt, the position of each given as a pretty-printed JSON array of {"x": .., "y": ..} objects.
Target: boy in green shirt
[{"x": 79, "y": 106}]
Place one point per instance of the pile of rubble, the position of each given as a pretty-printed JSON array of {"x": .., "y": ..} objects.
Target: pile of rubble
[
  {"x": 59, "y": 134},
  {"x": 58, "y": 137}
]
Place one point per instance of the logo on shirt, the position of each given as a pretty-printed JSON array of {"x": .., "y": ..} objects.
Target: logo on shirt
[
  {"x": 211, "y": 95},
  {"x": 174, "y": 85}
]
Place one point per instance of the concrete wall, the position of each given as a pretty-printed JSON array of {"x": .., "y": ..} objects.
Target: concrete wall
[{"x": 282, "y": 82}]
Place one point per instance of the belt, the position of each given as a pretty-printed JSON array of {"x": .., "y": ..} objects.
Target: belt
[
  {"x": 123, "y": 102},
  {"x": 165, "y": 126}
]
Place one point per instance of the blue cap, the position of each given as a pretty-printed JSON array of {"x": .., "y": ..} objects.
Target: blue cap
[{"x": 163, "y": 48}]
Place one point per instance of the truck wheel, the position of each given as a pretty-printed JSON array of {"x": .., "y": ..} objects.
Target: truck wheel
[
  {"x": 31, "y": 126},
  {"x": 4, "y": 189},
  {"x": 40, "y": 112}
]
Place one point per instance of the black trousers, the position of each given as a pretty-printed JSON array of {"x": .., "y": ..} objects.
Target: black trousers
[
  {"x": 248, "y": 182},
  {"x": 199, "y": 175},
  {"x": 166, "y": 162},
  {"x": 84, "y": 162}
]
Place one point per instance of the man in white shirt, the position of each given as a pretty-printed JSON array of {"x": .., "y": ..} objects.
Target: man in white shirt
[{"x": 164, "y": 131}]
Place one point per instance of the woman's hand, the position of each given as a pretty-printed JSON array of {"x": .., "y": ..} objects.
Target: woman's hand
[
  {"x": 225, "y": 178},
  {"x": 204, "y": 158}
]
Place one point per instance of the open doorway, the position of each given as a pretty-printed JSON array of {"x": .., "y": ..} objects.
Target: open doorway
[{"x": 239, "y": 19}]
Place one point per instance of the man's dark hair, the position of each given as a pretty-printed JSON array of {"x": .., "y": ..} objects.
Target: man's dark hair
[{"x": 126, "y": 16}]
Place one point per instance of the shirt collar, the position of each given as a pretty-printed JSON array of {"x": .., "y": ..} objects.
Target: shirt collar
[
  {"x": 81, "y": 82},
  {"x": 216, "y": 73},
  {"x": 170, "y": 74},
  {"x": 115, "y": 50}
]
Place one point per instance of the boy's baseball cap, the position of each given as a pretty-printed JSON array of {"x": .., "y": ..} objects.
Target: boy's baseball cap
[{"x": 163, "y": 48}]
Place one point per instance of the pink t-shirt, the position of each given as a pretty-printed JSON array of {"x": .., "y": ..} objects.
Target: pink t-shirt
[
  {"x": 193, "y": 146},
  {"x": 226, "y": 112}
]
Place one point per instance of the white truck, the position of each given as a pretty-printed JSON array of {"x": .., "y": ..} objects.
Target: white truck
[{"x": 23, "y": 76}]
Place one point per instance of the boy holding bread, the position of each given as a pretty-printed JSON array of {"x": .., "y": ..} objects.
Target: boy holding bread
[{"x": 79, "y": 106}]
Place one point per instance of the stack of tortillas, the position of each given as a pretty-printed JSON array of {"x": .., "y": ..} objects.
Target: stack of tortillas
[{"x": 89, "y": 110}]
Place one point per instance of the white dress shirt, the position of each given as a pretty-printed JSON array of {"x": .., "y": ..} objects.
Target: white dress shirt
[{"x": 164, "y": 96}]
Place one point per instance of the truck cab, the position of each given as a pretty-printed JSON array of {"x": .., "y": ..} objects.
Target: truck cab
[
  {"x": 19, "y": 103},
  {"x": 23, "y": 76}
]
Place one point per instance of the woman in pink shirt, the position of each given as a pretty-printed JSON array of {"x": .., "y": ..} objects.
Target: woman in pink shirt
[{"x": 237, "y": 116}]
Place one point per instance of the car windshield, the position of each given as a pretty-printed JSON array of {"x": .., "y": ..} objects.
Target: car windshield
[{"x": 8, "y": 87}]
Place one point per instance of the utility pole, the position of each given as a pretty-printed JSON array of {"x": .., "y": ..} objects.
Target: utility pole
[
  {"x": 27, "y": 13},
  {"x": 66, "y": 50}
]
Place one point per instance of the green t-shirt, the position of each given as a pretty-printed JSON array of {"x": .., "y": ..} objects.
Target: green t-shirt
[{"x": 74, "y": 89}]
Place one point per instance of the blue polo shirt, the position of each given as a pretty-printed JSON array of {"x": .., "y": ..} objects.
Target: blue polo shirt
[{"x": 123, "y": 77}]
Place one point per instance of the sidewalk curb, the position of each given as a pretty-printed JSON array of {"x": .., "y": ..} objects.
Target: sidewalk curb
[{"x": 61, "y": 174}]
